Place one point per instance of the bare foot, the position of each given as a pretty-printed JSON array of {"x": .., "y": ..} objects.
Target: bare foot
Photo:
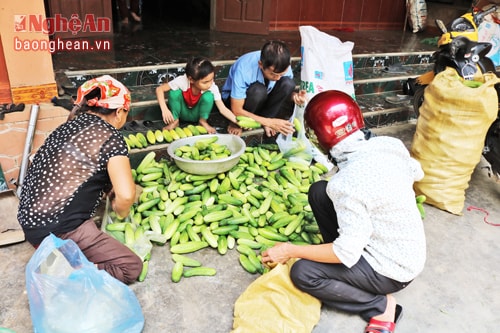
[
  {"x": 390, "y": 310},
  {"x": 136, "y": 17},
  {"x": 234, "y": 129}
]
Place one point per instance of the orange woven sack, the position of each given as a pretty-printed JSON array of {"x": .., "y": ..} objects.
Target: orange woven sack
[{"x": 450, "y": 134}]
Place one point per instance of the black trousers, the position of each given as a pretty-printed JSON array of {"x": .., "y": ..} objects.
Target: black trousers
[
  {"x": 124, "y": 11},
  {"x": 259, "y": 102},
  {"x": 358, "y": 289}
]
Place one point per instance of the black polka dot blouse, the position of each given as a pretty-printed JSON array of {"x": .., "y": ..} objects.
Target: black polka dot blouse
[{"x": 68, "y": 176}]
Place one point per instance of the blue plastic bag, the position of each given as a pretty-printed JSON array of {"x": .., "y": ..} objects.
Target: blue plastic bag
[{"x": 67, "y": 293}]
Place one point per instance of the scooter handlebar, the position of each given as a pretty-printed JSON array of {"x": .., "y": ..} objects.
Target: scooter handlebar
[{"x": 478, "y": 18}]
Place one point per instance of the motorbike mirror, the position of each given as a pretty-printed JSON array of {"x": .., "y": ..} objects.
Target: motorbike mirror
[{"x": 441, "y": 26}]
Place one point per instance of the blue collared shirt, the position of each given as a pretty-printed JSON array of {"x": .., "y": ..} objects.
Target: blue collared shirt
[{"x": 243, "y": 73}]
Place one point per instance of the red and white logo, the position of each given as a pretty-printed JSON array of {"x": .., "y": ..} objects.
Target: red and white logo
[
  {"x": 20, "y": 23},
  {"x": 59, "y": 23}
]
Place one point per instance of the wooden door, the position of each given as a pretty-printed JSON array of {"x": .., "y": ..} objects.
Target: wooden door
[
  {"x": 96, "y": 18},
  {"x": 242, "y": 16}
]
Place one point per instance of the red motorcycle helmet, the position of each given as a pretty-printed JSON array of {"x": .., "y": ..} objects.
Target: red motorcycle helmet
[{"x": 330, "y": 117}]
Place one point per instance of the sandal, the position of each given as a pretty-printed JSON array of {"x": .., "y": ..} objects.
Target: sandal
[
  {"x": 395, "y": 69},
  {"x": 135, "y": 126},
  {"x": 398, "y": 99},
  {"x": 378, "y": 326},
  {"x": 149, "y": 124},
  {"x": 8, "y": 108},
  {"x": 63, "y": 102}
]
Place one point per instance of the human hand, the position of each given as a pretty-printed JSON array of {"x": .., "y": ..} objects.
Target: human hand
[
  {"x": 280, "y": 126},
  {"x": 168, "y": 118},
  {"x": 299, "y": 98},
  {"x": 276, "y": 254},
  {"x": 210, "y": 129},
  {"x": 269, "y": 131}
]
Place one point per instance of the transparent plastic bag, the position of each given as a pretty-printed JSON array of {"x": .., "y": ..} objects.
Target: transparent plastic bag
[
  {"x": 296, "y": 147},
  {"x": 142, "y": 246},
  {"x": 67, "y": 293}
]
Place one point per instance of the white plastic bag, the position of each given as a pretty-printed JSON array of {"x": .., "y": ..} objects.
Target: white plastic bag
[
  {"x": 326, "y": 63},
  {"x": 490, "y": 32},
  {"x": 67, "y": 293}
]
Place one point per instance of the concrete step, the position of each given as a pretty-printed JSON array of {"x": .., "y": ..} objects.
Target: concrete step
[{"x": 374, "y": 81}]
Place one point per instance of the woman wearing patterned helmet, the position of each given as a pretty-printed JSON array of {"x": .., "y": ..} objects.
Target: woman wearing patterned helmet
[
  {"x": 78, "y": 163},
  {"x": 374, "y": 241}
]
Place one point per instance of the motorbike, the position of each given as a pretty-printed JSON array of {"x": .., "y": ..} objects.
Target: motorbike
[{"x": 459, "y": 49}]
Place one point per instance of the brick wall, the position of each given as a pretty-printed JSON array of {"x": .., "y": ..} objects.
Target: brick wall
[{"x": 13, "y": 131}]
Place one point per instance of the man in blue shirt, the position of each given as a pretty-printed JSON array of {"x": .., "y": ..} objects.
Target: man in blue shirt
[{"x": 258, "y": 84}]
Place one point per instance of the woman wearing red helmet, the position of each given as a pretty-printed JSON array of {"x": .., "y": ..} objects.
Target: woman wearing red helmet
[{"x": 374, "y": 241}]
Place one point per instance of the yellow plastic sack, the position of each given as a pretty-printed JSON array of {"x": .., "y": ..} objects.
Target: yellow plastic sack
[
  {"x": 450, "y": 134},
  {"x": 272, "y": 304}
]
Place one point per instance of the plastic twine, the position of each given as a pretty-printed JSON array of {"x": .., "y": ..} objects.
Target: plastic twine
[{"x": 486, "y": 217}]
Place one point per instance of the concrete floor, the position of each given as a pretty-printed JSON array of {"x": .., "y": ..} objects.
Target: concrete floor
[{"x": 457, "y": 291}]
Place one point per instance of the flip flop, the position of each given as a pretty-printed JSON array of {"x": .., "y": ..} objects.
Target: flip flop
[
  {"x": 8, "y": 108},
  {"x": 149, "y": 124},
  {"x": 395, "y": 68},
  {"x": 378, "y": 326},
  {"x": 399, "y": 313},
  {"x": 398, "y": 99},
  {"x": 63, "y": 102},
  {"x": 134, "y": 126},
  {"x": 11, "y": 107}
]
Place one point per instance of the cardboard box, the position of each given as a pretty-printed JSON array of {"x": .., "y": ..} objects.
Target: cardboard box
[{"x": 10, "y": 229}]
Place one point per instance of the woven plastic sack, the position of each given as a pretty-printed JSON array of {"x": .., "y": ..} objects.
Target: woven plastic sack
[
  {"x": 326, "y": 63},
  {"x": 68, "y": 294},
  {"x": 417, "y": 14},
  {"x": 272, "y": 304},
  {"x": 450, "y": 134}
]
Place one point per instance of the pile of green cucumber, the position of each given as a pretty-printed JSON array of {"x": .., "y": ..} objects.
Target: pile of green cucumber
[{"x": 260, "y": 201}]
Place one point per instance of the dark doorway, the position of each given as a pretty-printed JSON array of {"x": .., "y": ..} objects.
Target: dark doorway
[{"x": 183, "y": 13}]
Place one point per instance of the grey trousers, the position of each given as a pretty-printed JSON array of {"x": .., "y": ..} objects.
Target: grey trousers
[
  {"x": 358, "y": 289},
  {"x": 105, "y": 251}
]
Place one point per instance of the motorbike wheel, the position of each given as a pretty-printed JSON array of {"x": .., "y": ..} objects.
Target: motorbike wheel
[
  {"x": 418, "y": 99},
  {"x": 491, "y": 150}
]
